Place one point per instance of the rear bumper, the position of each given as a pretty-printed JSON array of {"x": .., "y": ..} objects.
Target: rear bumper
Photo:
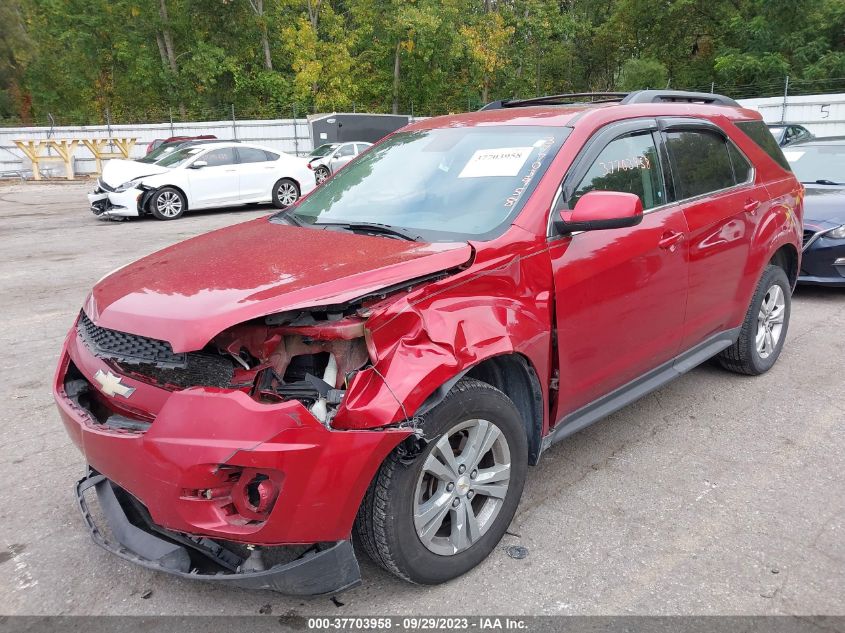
[{"x": 329, "y": 569}]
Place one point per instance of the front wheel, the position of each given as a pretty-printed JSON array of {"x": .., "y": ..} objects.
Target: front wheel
[
  {"x": 321, "y": 174},
  {"x": 437, "y": 516},
  {"x": 763, "y": 331},
  {"x": 285, "y": 193},
  {"x": 168, "y": 204}
]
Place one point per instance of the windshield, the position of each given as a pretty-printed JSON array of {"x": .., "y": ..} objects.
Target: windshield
[
  {"x": 449, "y": 184},
  {"x": 159, "y": 152},
  {"x": 179, "y": 157},
  {"x": 812, "y": 163},
  {"x": 324, "y": 149}
]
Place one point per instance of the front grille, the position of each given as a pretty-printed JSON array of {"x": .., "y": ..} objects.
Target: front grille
[
  {"x": 154, "y": 361},
  {"x": 102, "y": 186},
  {"x": 200, "y": 370},
  {"x": 808, "y": 235},
  {"x": 127, "y": 348}
]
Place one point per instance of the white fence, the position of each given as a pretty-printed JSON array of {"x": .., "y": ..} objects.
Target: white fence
[
  {"x": 823, "y": 115},
  {"x": 287, "y": 135}
]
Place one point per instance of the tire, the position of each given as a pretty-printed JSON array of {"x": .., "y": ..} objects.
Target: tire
[
  {"x": 755, "y": 351},
  {"x": 168, "y": 203},
  {"x": 321, "y": 174},
  {"x": 433, "y": 551},
  {"x": 285, "y": 193}
]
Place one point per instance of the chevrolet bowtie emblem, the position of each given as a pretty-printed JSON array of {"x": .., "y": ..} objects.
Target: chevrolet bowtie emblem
[{"x": 111, "y": 385}]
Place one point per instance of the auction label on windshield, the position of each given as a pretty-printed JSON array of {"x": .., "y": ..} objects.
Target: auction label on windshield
[{"x": 501, "y": 161}]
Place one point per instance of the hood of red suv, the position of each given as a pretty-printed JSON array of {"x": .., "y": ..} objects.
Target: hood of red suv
[{"x": 189, "y": 292}]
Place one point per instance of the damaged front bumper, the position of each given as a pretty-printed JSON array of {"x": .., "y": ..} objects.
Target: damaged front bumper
[
  {"x": 213, "y": 463},
  {"x": 115, "y": 204},
  {"x": 325, "y": 569}
]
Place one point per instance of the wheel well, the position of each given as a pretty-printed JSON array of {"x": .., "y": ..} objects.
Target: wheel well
[
  {"x": 293, "y": 180},
  {"x": 786, "y": 257},
  {"x": 515, "y": 377}
]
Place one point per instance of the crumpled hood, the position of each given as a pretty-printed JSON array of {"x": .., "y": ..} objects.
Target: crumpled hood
[
  {"x": 824, "y": 207},
  {"x": 189, "y": 292},
  {"x": 118, "y": 171}
]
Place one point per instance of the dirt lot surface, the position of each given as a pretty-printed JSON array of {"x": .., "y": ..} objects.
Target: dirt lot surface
[{"x": 718, "y": 494}]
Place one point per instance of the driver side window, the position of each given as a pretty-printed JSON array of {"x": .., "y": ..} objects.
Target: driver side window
[
  {"x": 346, "y": 150},
  {"x": 629, "y": 164},
  {"x": 219, "y": 157}
]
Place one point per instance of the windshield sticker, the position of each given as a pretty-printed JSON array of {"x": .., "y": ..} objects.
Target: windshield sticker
[
  {"x": 501, "y": 161},
  {"x": 793, "y": 156},
  {"x": 527, "y": 178}
]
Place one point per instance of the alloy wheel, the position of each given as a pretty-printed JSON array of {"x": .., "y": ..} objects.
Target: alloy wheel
[
  {"x": 169, "y": 204},
  {"x": 462, "y": 486},
  {"x": 770, "y": 321},
  {"x": 322, "y": 174},
  {"x": 287, "y": 193}
]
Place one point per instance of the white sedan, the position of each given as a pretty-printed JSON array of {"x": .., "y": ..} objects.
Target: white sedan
[{"x": 203, "y": 176}]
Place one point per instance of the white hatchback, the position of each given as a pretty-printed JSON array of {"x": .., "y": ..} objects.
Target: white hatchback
[{"x": 205, "y": 176}]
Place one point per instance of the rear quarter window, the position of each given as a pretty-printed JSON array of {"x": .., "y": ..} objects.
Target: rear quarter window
[{"x": 762, "y": 137}]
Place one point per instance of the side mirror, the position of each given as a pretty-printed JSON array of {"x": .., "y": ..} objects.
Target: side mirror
[
  {"x": 199, "y": 164},
  {"x": 597, "y": 210}
]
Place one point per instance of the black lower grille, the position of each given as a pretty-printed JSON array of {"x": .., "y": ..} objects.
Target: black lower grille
[
  {"x": 127, "y": 348},
  {"x": 200, "y": 370}
]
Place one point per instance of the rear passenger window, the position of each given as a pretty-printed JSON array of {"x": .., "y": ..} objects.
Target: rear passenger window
[
  {"x": 628, "y": 164},
  {"x": 700, "y": 161},
  {"x": 742, "y": 168},
  {"x": 271, "y": 156},
  {"x": 252, "y": 155}
]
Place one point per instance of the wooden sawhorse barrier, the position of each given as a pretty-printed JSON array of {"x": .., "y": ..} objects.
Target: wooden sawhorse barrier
[
  {"x": 34, "y": 151},
  {"x": 65, "y": 148},
  {"x": 97, "y": 147}
]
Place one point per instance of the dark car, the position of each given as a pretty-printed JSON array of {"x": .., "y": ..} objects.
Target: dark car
[
  {"x": 820, "y": 165},
  {"x": 167, "y": 148},
  {"x": 388, "y": 356},
  {"x": 155, "y": 143},
  {"x": 789, "y": 133}
]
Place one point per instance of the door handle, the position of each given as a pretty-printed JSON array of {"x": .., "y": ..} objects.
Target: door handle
[
  {"x": 670, "y": 239},
  {"x": 751, "y": 206}
]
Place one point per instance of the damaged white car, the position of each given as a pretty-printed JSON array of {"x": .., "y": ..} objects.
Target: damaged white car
[{"x": 204, "y": 176}]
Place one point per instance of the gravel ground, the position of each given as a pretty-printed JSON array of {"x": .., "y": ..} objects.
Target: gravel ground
[{"x": 718, "y": 494}]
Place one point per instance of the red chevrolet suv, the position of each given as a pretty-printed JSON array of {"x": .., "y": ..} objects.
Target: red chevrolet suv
[{"x": 384, "y": 360}]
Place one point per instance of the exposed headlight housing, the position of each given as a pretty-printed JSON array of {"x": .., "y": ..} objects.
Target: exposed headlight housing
[
  {"x": 837, "y": 233},
  {"x": 127, "y": 185}
]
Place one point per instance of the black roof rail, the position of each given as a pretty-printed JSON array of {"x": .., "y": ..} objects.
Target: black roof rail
[
  {"x": 678, "y": 96},
  {"x": 624, "y": 98},
  {"x": 561, "y": 99}
]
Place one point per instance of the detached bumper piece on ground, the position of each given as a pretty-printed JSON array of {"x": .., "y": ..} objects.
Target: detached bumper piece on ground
[{"x": 321, "y": 569}]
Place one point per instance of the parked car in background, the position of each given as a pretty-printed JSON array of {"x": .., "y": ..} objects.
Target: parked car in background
[
  {"x": 166, "y": 148},
  {"x": 160, "y": 141},
  {"x": 204, "y": 176},
  {"x": 388, "y": 356},
  {"x": 789, "y": 133},
  {"x": 327, "y": 159},
  {"x": 820, "y": 165}
]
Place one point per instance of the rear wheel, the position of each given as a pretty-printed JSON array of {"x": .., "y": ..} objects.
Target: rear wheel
[
  {"x": 764, "y": 328},
  {"x": 439, "y": 515},
  {"x": 285, "y": 193},
  {"x": 168, "y": 204}
]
